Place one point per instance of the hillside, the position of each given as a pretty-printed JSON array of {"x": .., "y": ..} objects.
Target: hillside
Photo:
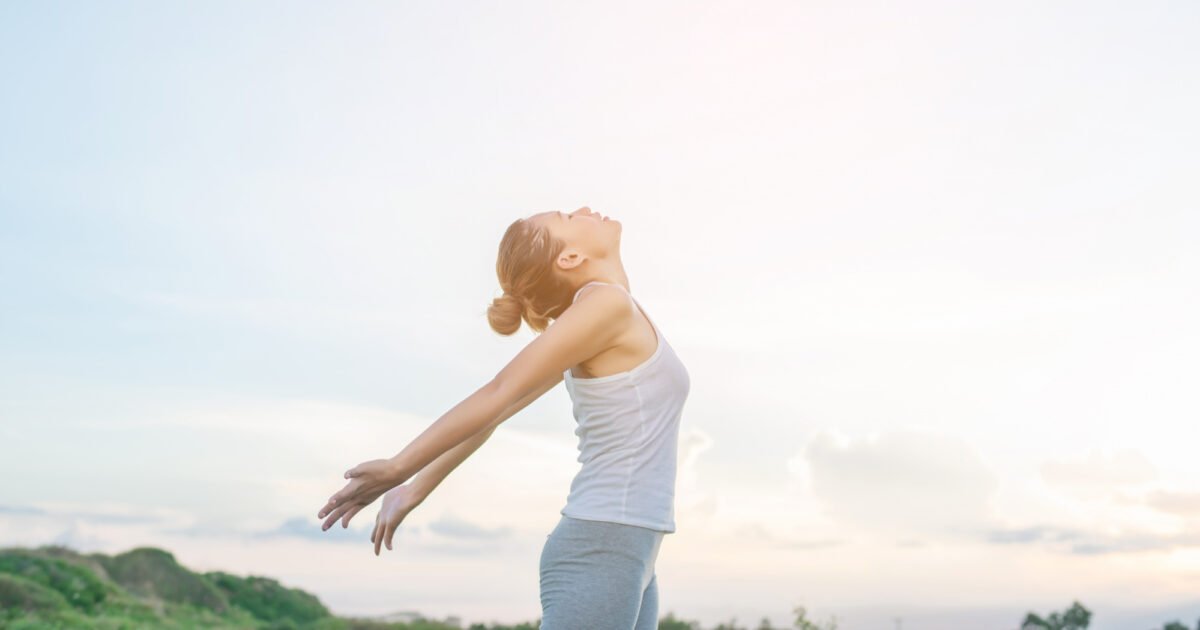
[{"x": 57, "y": 587}]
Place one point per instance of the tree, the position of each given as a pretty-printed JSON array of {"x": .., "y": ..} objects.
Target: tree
[
  {"x": 1074, "y": 618},
  {"x": 803, "y": 623},
  {"x": 671, "y": 623}
]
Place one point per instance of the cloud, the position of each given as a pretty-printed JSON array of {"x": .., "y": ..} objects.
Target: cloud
[
  {"x": 1080, "y": 542},
  {"x": 758, "y": 531},
  {"x": 694, "y": 499},
  {"x": 120, "y": 519},
  {"x": 78, "y": 537},
  {"x": 1185, "y": 504},
  {"x": 86, "y": 527},
  {"x": 298, "y": 527},
  {"x": 454, "y": 527},
  {"x": 1037, "y": 533},
  {"x": 1099, "y": 470},
  {"x": 112, "y": 514},
  {"x": 83, "y": 525},
  {"x": 22, "y": 510},
  {"x": 310, "y": 529},
  {"x": 901, "y": 482}
]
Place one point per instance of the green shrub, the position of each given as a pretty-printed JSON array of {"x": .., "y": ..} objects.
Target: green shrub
[
  {"x": 22, "y": 595},
  {"x": 151, "y": 572},
  {"x": 79, "y": 587},
  {"x": 268, "y": 600}
]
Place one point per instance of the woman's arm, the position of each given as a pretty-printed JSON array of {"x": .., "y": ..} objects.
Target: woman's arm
[
  {"x": 593, "y": 325},
  {"x": 401, "y": 500},
  {"x": 581, "y": 332},
  {"x": 433, "y": 474}
]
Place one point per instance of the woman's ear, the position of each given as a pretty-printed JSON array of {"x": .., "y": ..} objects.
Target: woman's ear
[{"x": 570, "y": 258}]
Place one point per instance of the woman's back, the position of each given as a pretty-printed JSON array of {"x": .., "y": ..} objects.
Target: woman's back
[{"x": 628, "y": 429}]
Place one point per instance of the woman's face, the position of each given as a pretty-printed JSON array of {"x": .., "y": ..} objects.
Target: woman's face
[{"x": 587, "y": 234}]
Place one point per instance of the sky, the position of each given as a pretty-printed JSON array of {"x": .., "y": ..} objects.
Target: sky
[{"x": 931, "y": 268}]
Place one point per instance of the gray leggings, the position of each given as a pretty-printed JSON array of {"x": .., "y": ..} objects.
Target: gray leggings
[{"x": 600, "y": 576}]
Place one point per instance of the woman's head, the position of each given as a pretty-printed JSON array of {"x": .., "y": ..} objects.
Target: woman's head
[{"x": 543, "y": 258}]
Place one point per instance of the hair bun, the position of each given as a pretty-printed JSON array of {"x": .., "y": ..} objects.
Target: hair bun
[{"x": 504, "y": 315}]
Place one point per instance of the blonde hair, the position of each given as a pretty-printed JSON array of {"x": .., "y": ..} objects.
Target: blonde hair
[{"x": 533, "y": 292}]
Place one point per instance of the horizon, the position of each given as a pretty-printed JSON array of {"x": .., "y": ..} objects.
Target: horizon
[{"x": 942, "y": 618}]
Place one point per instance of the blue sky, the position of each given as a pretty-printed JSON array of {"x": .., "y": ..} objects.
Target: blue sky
[{"x": 931, "y": 268}]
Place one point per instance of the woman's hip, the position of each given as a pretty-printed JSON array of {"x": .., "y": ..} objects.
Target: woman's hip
[{"x": 600, "y": 549}]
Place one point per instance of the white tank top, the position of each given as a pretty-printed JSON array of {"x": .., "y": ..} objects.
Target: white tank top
[{"x": 628, "y": 429}]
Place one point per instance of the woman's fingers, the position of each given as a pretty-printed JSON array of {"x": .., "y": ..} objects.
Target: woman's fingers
[
  {"x": 331, "y": 503},
  {"x": 391, "y": 530},
  {"x": 350, "y": 514},
  {"x": 334, "y": 515},
  {"x": 377, "y": 538},
  {"x": 346, "y": 492},
  {"x": 340, "y": 497},
  {"x": 329, "y": 506},
  {"x": 346, "y": 510}
]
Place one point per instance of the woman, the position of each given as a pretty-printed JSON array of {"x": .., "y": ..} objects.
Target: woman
[{"x": 627, "y": 388}]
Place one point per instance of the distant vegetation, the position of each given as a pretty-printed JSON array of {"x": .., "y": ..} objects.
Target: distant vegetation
[
  {"x": 1077, "y": 618},
  {"x": 55, "y": 587}
]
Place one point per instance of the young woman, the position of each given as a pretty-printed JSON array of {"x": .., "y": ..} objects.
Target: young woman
[{"x": 627, "y": 388}]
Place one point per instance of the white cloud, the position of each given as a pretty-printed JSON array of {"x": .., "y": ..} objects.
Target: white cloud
[
  {"x": 1098, "y": 469},
  {"x": 901, "y": 482},
  {"x": 695, "y": 500},
  {"x": 1184, "y": 503},
  {"x": 1096, "y": 541}
]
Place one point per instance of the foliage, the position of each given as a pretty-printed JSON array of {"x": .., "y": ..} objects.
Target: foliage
[
  {"x": 669, "y": 622},
  {"x": 154, "y": 573},
  {"x": 804, "y": 623},
  {"x": 1074, "y": 618},
  {"x": 22, "y": 594},
  {"x": 268, "y": 600},
  {"x": 77, "y": 586}
]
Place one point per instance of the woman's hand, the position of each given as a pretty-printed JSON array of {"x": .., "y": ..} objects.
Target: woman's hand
[
  {"x": 397, "y": 503},
  {"x": 368, "y": 480}
]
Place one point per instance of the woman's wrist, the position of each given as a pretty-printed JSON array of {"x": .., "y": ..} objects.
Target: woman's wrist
[
  {"x": 423, "y": 482},
  {"x": 422, "y": 488},
  {"x": 400, "y": 473}
]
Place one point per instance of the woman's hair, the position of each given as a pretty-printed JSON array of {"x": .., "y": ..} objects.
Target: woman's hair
[{"x": 532, "y": 290}]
